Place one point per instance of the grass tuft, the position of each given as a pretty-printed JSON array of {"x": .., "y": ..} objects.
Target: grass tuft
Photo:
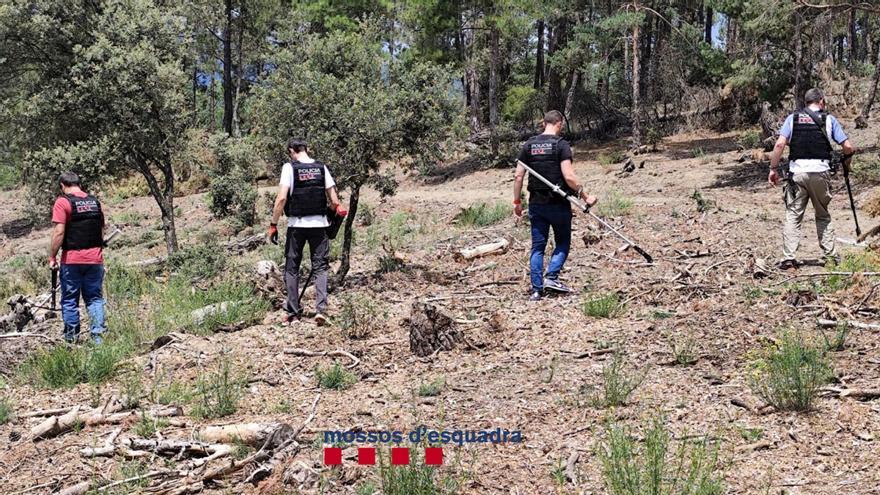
[
  {"x": 788, "y": 376},
  {"x": 655, "y": 465},
  {"x": 335, "y": 377},
  {"x": 359, "y": 317},
  {"x": 614, "y": 204},
  {"x": 218, "y": 392},
  {"x": 6, "y": 410},
  {"x": 603, "y": 306},
  {"x": 482, "y": 214},
  {"x": 618, "y": 383},
  {"x": 65, "y": 366},
  {"x": 432, "y": 388}
]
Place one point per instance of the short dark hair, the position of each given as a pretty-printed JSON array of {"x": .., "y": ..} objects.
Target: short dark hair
[
  {"x": 553, "y": 117},
  {"x": 813, "y": 95},
  {"x": 297, "y": 145},
  {"x": 68, "y": 179}
]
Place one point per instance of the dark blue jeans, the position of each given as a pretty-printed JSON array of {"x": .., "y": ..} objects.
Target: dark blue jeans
[
  {"x": 542, "y": 217},
  {"x": 85, "y": 281}
]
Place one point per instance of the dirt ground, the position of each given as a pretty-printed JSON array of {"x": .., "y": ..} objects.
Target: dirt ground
[{"x": 524, "y": 370}]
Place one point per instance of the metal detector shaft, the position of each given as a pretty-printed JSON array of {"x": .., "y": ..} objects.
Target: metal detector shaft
[
  {"x": 586, "y": 209},
  {"x": 54, "y": 286},
  {"x": 305, "y": 286},
  {"x": 852, "y": 203}
]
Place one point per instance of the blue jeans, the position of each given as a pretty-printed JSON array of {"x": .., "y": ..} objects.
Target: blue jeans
[
  {"x": 542, "y": 217},
  {"x": 85, "y": 280}
]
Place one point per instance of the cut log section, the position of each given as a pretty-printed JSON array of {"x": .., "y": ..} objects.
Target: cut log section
[
  {"x": 498, "y": 246},
  {"x": 252, "y": 434},
  {"x": 431, "y": 330}
]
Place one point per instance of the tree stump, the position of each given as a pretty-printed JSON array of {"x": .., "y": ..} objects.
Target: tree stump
[{"x": 431, "y": 330}]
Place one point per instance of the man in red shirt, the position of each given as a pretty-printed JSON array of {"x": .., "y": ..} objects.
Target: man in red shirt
[{"x": 79, "y": 233}]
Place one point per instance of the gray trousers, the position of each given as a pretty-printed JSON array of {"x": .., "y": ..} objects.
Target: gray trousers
[
  {"x": 815, "y": 188},
  {"x": 319, "y": 248}
]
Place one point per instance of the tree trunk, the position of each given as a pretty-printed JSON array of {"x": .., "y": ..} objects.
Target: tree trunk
[
  {"x": 539, "y": 57},
  {"x": 164, "y": 196},
  {"x": 798, "y": 63},
  {"x": 730, "y": 42},
  {"x": 494, "y": 59},
  {"x": 569, "y": 99},
  {"x": 195, "y": 105},
  {"x": 710, "y": 20},
  {"x": 862, "y": 120},
  {"x": 555, "y": 98},
  {"x": 853, "y": 39},
  {"x": 212, "y": 105},
  {"x": 228, "y": 95},
  {"x": 345, "y": 260},
  {"x": 636, "y": 102},
  {"x": 236, "y": 123}
]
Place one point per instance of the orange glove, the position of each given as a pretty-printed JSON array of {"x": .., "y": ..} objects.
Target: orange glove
[
  {"x": 273, "y": 233},
  {"x": 341, "y": 211}
]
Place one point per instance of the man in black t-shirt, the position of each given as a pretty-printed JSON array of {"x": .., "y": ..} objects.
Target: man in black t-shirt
[{"x": 549, "y": 155}]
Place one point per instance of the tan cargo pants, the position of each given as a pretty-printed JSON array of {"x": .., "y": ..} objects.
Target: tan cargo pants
[{"x": 813, "y": 187}]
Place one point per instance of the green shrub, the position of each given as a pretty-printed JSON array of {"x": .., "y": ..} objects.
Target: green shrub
[
  {"x": 200, "y": 261},
  {"x": 6, "y": 410},
  {"x": 789, "y": 376},
  {"x": 335, "y": 377},
  {"x": 218, "y": 391},
  {"x": 603, "y": 306},
  {"x": 866, "y": 168},
  {"x": 64, "y": 366},
  {"x": 10, "y": 178},
  {"x": 415, "y": 478},
  {"x": 618, "y": 383},
  {"x": 365, "y": 215},
  {"x": 482, "y": 214},
  {"x": 698, "y": 152},
  {"x": 231, "y": 191},
  {"x": 851, "y": 262},
  {"x": 750, "y": 139},
  {"x": 521, "y": 104},
  {"x": 432, "y": 388},
  {"x": 654, "y": 137},
  {"x": 838, "y": 341},
  {"x": 655, "y": 466},
  {"x": 173, "y": 307},
  {"x": 614, "y": 204},
  {"x": 124, "y": 283},
  {"x": 703, "y": 204},
  {"x": 611, "y": 157},
  {"x": 133, "y": 470},
  {"x": 684, "y": 351},
  {"x": 147, "y": 426},
  {"x": 359, "y": 317}
]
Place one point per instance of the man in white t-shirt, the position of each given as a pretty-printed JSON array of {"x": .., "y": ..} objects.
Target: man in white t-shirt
[
  {"x": 305, "y": 188},
  {"x": 808, "y": 133}
]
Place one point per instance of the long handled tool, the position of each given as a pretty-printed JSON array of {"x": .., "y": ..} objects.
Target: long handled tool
[
  {"x": 586, "y": 209},
  {"x": 852, "y": 203},
  {"x": 54, "y": 286}
]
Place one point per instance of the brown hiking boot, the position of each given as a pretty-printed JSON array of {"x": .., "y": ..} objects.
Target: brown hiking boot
[
  {"x": 320, "y": 320},
  {"x": 786, "y": 265}
]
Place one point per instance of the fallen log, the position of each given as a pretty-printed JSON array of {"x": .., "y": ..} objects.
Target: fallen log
[
  {"x": 57, "y": 425},
  {"x": 863, "y": 394},
  {"x": 252, "y": 434},
  {"x": 854, "y": 324},
  {"x": 498, "y": 246}
]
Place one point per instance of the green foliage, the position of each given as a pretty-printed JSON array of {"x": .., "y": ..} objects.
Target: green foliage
[
  {"x": 415, "y": 478},
  {"x": 7, "y": 411},
  {"x": 838, "y": 341},
  {"x": 125, "y": 283},
  {"x": 522, "y": 105},
  {"x": 703, "y": 204},
  {"x": 866, "y": 261},
  {"x": 232, "y": 191},
  {"x": 218, "y": 391},
  {"x": 335, "y": 377},
  {"x": 64, "y": 366},
  {"x": 200, "y": 261},
  {"x": 654, "y": 136},
  {"x": 147, "y": 426},
  {"x": 232, "y": 301},
  {"x": 610, "y": 158},
  {"x": 655, "y": 466},
  {"x": 432, "y": 388},
  {"x": 684, "y": 350},
  {"x": 750, "y": 139},
  {"x": 866, "y": 167},
  {"x": 359, "y": 317},
  {"x": 789, "y": 375},
  {"x": 614, "y": 204},
  {"x": 10, "y": 177},
  {"x": 129, "y": 470},
  {"x": 603, "y": 306},
  {"x": 482, "y": 214},
  {"x": 618, "y": 383}
]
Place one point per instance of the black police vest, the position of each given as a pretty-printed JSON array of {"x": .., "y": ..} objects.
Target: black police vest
[
  {"x": 808, "y": 140},
  {"x": 85, "y": 229},
  {"x": 543, "y": 155},
  {"x": 308, "y": 196}
]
